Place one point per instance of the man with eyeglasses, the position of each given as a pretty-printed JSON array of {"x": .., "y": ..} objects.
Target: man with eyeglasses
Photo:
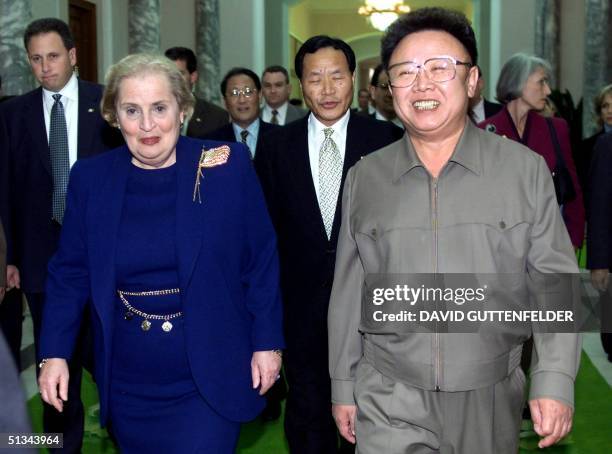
[
  {"x": 449, "y": 198},
  {"x": 381, "y": 94},
  {"x": 241, "y": 90}
]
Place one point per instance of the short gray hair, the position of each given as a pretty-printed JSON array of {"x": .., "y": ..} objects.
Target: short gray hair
[
  {"x": 515, "y": 73},
  {"x": 140, "y": 64}
]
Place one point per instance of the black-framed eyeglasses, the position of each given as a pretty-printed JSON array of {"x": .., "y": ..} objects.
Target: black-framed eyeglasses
[
  {"x": 247, "y": 92},
  {"x": 438, "y": 69}
]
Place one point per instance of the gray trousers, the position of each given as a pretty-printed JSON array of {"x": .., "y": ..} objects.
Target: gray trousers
[{"x": 394, "y": 417}]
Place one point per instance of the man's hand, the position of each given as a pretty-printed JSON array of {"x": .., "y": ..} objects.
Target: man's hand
[
  {"x": 344, "y": 415},
  {"x": 552, "y": 420},
  {"x": 53, "y": 375},
  {"x": 265, "y": 368},
  {"x": 599, "y": 279},
  {"x": 12, "y": 277}
]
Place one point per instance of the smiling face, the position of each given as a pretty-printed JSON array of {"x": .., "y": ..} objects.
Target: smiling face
[
  {"x": 150, "y": 119},
  {"x": 536, "y": 90},
  {"x": 50, "y": 61},
  {"x": 430, "y": 109},
  {"x": 243, "y": 110},
  {"x": 327, "y": 84}
]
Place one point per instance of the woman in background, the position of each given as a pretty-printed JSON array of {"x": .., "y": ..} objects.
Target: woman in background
[
  {"x": 170, "y": 240},
  {"x": 523, "y": 87}
]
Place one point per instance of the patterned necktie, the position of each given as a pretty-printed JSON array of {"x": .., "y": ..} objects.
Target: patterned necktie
[
  {"x": 60, "y": 163},
  {"x": 330, "y": 174},
  {"x": 274, "y": 119},
  {"x": 243, "y": 135}
]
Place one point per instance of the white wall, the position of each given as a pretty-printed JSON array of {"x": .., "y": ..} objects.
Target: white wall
[
  {"x": 178, "y": 23},
  {"x": 573, "y": 23},
  {"x": 242, "y": 34}
]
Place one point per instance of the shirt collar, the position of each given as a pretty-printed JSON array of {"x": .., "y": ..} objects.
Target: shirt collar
[
  {"x": 70, "y": 90},
  {"x": 281, "y": 109},
  {"x": 339, "y": 126},
  {"x": 466, "y": 153},
  {"x": 253, "y": 128}
]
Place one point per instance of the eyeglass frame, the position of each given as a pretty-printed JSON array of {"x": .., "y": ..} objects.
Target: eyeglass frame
[
  {"x": 236, "y": 92},
  {"x": 422, "y": 67}
]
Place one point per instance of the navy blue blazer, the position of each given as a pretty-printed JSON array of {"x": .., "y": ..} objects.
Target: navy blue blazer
[
  {"x": 227, "y": 268},
  {"x": 599, "y": 220},
  {"x": 26, "y": 184}
]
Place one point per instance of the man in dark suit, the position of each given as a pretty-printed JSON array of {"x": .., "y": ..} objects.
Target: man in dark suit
[
  {"x": 276, "y": 90},
  {"x": 381, "y": 94},
  {"x": 480, "y": 108},
  {"x": 599, "y": 233},
  {"x": 302, "y": 168},
  {"x": 42, "y": 133},
  {"x": 241, "y": 90},
  {"x": 206, "y": 116}
]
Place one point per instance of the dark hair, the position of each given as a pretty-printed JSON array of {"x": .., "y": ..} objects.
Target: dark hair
[
  {"x": 320, "y": 42},
  {"x": 237, "y": 71},
  {"x": 376, "y": 75},
  {"x": 276, "y": 69},
  {"x": 432, "y": 18},
  {"x": 185, "y": 54},
  {"x": 48, "y": 25}
]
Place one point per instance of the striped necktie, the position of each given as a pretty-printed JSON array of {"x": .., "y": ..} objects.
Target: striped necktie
[
  {"x": 243, "y": 135},
  {"x": 274, "y": 119},
  {"x": 60, "y": 162}
]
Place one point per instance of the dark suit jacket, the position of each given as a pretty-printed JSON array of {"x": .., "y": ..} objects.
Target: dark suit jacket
[
  {"x": 599, "y": 225},
  {"x": 491, "y": 108},
  {"x": 2, "y": 258},
  {"x": 227, "y": 269},
  {"x": 583, "y": 157},
  {"x": 226, "y": 133},
  {"x": 307, "y": 256},
  {"x": 206, "y": 118},
  {"x": 26, "y": 185}
]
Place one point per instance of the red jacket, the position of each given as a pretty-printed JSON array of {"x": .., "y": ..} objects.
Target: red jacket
[{"x": 537, "y": 137}]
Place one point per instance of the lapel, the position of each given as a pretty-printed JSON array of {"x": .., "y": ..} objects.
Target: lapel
[
  {"x": 35, "y": 117},
  {"x": 189, "y": 213},
  {"x": 87, "y": 124},
  {"x": 105, "y": 224}
]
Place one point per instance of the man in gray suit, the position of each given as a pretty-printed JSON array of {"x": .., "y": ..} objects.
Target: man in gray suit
[
  {"x": 276, "y": 90},
  {"x": 206, "y": 117},
  {"x": 449, "y": 198}
]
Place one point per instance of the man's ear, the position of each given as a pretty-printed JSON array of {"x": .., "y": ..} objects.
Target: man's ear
[
  {"x": 472, "y": 81},
  {"x": 193, "y": 77},
  {"x": 72, "y": 56}
]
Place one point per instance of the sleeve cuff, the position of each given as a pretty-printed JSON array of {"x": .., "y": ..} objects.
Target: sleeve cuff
[
  {"x": 552, "y": 385},
  {"x": 342, "y": 392}
]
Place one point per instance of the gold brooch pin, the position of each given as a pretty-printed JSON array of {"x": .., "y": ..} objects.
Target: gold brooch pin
[{"x": 209, "y": 158}]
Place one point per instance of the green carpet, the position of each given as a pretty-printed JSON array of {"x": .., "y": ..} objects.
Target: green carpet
[{"x": 592, "y": 433}]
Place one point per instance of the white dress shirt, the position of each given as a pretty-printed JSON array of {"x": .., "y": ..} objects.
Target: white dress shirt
[
  {"x": 266, "y": 114},
  {"x": 396, "y": 121},
  {"x": 251, "y": 138},
  {"x": 70, "y": 101},
  {"x": 478, "y": 111},
  {"x": 316, "y": 136}
]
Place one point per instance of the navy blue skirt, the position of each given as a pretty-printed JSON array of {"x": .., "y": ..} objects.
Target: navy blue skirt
[{"x": 155, "y": 405}]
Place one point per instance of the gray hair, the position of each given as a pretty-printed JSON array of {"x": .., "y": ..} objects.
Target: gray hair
[
  {"x": 515, "y": 73},
  {"x": 137, "y": 65}
]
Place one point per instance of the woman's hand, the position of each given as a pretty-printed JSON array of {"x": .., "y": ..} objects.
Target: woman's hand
[
  {"x": 54, "y": 374},
  {"x": 265, "y": 368}
]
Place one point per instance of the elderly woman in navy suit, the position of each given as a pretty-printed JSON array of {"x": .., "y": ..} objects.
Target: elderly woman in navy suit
[{"x": 170, "y": 240}]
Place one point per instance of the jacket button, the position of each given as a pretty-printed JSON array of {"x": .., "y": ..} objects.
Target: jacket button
[
  {"x": 502, "y": 225},
  {"x": 330, "y": 251}
]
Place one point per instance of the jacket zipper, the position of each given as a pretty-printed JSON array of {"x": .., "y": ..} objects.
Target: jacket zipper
[{"x": 434, "y": 206}]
